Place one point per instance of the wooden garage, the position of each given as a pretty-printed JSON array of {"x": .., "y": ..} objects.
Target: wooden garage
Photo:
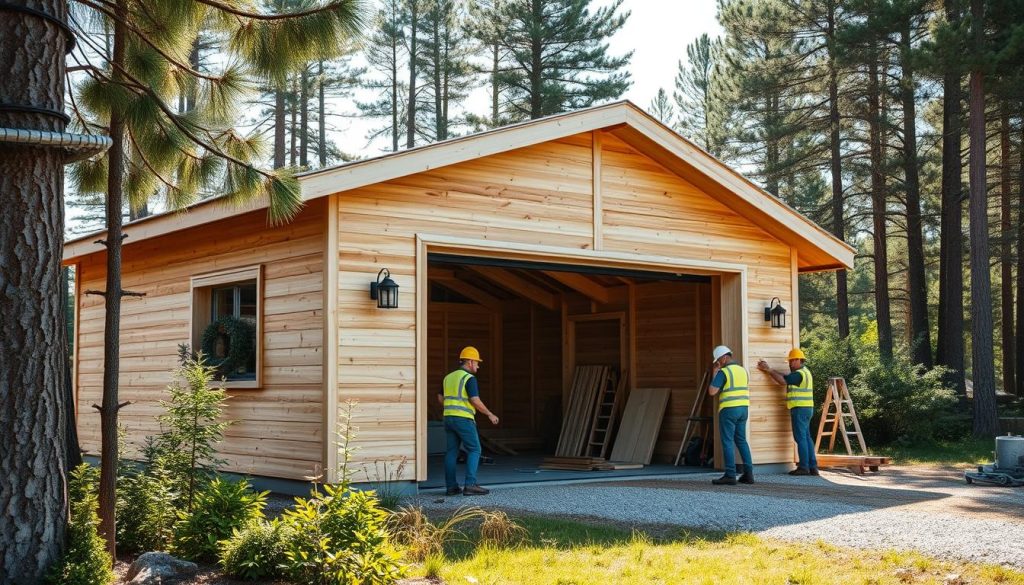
[{"x": 598, "y": 237}]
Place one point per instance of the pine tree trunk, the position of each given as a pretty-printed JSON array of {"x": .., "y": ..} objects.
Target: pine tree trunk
[
  {"x": 72, "y": 448},
  {"x": 536, "y": 63},
  {"x": 279, "y": 126},
  {"x": 33, "y": 357},
  {"x": 112, "y": 303},
  {"x": 950, "y": 344},
  {"x": 771, "y": 163},
  {"x": 878, "y": 213},
  {"x": 438, "y": 90},
  {"x": 410, "y": 137},
  {"x": 836, "y": 168},
  {"x": 986, "y": 422},
  {"x": 394, "y": 96},
  {"x": 1006, "y": 253},
  {"x": 322, "y": 118},
  {"x": 293, "y": 123},
  {"x": 304, "y": 118},
  {"x": 494, "y": 85},
  {"x": 920, "y": 336},
  {"x": 1019, "y": 345}
]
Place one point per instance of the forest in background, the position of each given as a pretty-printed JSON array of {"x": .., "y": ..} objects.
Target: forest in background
[{"x": 898, "y": 125}]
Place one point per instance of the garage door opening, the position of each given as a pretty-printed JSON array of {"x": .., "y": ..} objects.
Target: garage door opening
[{"x": 538, "y": 326}]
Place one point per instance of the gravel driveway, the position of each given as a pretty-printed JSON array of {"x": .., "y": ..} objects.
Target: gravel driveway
[{"x": 928, "y": 510}]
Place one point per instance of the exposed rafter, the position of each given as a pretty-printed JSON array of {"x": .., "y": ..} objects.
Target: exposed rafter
[
  {"x": 582, "y": 285},
  {"x": 519, "y": 286}
]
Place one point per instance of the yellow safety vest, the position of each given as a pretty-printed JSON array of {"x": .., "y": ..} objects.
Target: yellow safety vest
[
  {"x": 802, "y": 394},
  {"x": 456, "y": 401},
  {"x": 736, "y": 391}
]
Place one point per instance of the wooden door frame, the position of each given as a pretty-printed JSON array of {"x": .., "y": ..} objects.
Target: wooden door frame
[{"x": 733, "y": 330}]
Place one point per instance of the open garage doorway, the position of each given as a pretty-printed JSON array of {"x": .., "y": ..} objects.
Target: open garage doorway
[{"x": 536, "y": 325}]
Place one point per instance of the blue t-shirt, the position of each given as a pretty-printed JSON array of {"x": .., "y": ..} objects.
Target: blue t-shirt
[{"x": 794, "y": 378}]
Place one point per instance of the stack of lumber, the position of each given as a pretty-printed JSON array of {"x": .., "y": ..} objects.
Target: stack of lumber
[
  {"x": 641, "y": 422},
  {"x": 585, "y": 464},
  {"x": 855, "y": 463},
  {"x": 587, "y": 385}
]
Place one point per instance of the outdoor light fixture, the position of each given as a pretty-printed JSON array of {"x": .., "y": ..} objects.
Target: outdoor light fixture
[
  {"x": 385, "y": 291},
  {"x": 775, "y": 313}
]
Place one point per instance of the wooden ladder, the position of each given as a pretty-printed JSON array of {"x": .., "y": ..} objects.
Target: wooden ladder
[
  {"x": 836, "y": 413},
  {"x": 697, "y": 419},
  {"x": 605, "y": 415}
]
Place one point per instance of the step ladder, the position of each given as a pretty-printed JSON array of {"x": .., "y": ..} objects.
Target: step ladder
[
  {"x": 837, "y": 417},
  {"x": 698, "y": 421},
  {"x": 605, "y": 415}
]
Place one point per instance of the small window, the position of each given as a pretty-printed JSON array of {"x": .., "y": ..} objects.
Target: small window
[{"x": 226, "y": 324}]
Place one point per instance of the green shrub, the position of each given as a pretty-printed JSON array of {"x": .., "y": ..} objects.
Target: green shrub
[
  {"x": 221, "y": 508},
  {"x": 339, "y": 537},
  {"x": 86, "y": 561},
  {"x": 254, "y": 552},
  {"x": 145, "y": 510},
  {"x": 902, "y": 402}
]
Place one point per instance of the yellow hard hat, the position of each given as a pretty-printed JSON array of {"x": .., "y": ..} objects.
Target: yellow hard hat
[
  {"x": 470, "y": 353},
  {"x": 796, "y": 354}
]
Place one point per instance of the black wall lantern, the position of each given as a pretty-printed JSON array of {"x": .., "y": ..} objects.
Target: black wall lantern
[
  {"x": 385, "y": 291},
  {"x": 775, "y": 313}
]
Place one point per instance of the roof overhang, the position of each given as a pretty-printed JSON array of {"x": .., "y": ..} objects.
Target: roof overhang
[{"x": 817, "y": 250}]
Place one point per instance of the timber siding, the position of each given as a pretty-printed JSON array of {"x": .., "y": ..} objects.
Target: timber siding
[
  {"x": 539, "y": 195},
  {"x": 278, "y": 429}
]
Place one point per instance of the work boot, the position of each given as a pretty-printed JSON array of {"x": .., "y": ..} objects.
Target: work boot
[
  {"x": 724, "y": 480},
  {"x": 814, "y": 471},
  {"x": 748, "y": 475},
  {"x": 800, "y": 471},
  {"x": 453, "y": 491},
  {"x": 475, "y": 490}
]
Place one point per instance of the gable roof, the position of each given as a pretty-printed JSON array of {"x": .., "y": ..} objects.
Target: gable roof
[{"x": 817, "y": 249}]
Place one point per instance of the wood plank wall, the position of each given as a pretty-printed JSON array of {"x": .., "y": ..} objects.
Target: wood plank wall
[
  {"x": 279, "y": 428},
  {"x": 539, "y": 195}
]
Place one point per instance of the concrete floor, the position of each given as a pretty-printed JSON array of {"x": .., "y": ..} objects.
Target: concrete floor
[{"x": 524, "y": 468}]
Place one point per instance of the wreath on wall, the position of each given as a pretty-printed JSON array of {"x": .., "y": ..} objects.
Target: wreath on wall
[{"x": 238, "y": 335}]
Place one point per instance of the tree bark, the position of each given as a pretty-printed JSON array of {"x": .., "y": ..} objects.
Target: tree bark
[
  {"x": 836, "y": 168},
  {"x": 1020, "y": 264},
  {"x": 986, "y": 421},
  {"x": 410, "y": 137},
  {"x": 878, "y": 213},
  {"x": 1006, "y": 253},
  {"x": 33, "y": 357},
  {"x": 279, "y": 126},
  {"x": 112, "y": 298},
  {"x": 304, "y": 118},
  {"x": 74, "y": 452},
  {"x": 439, "y": 120},
  {"x": 536, "y": 62},
  {"x": 293, "y": 114},
  {"x": 322, "y": 118},
  {"x": 950, "y": 346},
  {"x": 920, "y": 336}
]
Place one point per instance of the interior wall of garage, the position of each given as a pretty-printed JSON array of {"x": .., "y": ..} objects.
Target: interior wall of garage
[{"x": 660, "y": 333}]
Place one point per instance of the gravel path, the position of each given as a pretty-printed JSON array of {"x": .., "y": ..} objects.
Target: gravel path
[{"x": 928, "y": 510}]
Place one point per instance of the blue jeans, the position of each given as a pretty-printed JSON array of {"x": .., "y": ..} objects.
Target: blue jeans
[
  {"x": 801, "y": 419},
  {"x": 732, "y": 426},
  {"x": 461, "y": 431}
]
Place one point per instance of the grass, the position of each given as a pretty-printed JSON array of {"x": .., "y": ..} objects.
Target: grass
[
  {"x": 566, "y": 552},
  {"x": 965, "y": 452}
]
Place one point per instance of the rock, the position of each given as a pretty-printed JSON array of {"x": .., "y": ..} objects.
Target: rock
[{"x": 159, "y": 568}]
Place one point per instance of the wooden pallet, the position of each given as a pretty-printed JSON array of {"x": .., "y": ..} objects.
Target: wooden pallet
[{"x": 855, "y": 463}]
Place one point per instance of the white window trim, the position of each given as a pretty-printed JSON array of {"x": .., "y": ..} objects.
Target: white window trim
[{"x": 201, "y": 285}]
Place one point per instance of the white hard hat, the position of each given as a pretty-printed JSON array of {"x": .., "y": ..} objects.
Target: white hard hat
[{"x": 720, "y": 351}]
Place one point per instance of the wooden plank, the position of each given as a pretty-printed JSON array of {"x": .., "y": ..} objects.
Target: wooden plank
[
  {"x": 518, "y": 286},
  {"x": 598, "y": 181},
  {"x": 583, "y": 285},
  {"x": 640, "y": 423}
]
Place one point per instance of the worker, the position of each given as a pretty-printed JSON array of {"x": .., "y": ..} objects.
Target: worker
[
  {"x": 731, "y": 379},
  {"x": 460, "y": 397},
  {"x": 800, "y": 402}
]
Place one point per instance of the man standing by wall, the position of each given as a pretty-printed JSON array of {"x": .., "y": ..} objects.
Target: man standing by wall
[
  {"x": 800, "y": 402},
  {"x": 731, "y": 379},
  {"x": 460, "y": 397}
]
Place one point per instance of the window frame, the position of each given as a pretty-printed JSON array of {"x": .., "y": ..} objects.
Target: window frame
[{"x": 201, "y": 296}]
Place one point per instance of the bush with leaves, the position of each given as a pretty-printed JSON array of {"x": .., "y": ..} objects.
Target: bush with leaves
[
  {"x": 255, "y": 552},
  {"x": 337, "y": 537},
  {"x": 145, "y": 510},
  {"x": 86, "y": 561},
  {"x": 219, "y": 509},
  {"x": 187, "y": 448}
]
